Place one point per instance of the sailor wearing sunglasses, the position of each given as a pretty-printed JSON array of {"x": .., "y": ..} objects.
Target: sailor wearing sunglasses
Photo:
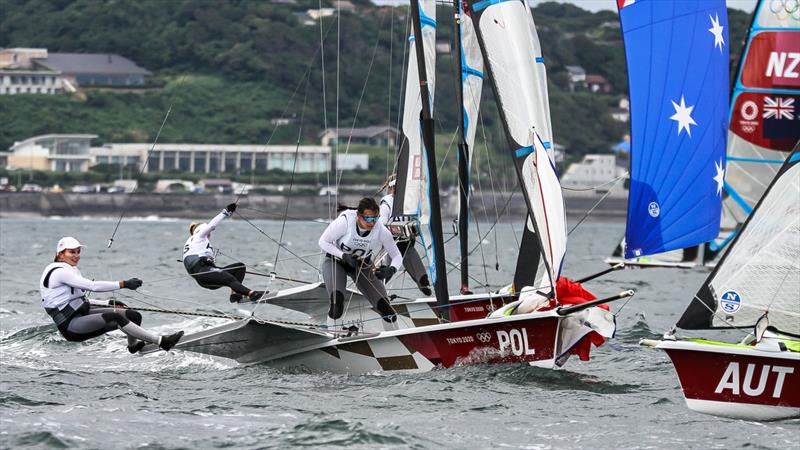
[{"x": 350, "y": 242}]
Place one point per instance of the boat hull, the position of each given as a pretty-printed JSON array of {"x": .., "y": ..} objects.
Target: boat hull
[
  {"x": 528, "y": 338},
  {"x": 735, "y": 381}
]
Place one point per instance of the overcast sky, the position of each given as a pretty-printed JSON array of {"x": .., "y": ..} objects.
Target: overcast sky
[{"x": 597, "y": 5}]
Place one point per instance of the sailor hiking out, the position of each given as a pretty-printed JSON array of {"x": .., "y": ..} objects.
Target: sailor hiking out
[
  {"x": 198, "y": 259},
  {"x": 350, "y": 242},
  {"x": 411, "y": 259},
  {"x": 63, "y": 290}
]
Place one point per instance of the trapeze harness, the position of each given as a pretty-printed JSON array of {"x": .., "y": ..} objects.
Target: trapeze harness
[
  {"x": 198, "y": 259},
  {"x": 61, "y": 302}
]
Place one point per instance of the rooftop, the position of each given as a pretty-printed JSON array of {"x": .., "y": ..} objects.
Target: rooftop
[{"x": 75, "y": 63}]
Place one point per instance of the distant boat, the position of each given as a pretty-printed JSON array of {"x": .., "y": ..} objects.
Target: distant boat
[
  {"x": 678, "y": 77},
  {"x": 765, "y": 109},
  {"x": 754, "y": 290}
]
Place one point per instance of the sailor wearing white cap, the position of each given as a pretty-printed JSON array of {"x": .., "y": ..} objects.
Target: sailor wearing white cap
[{"x": 63, "y": 290}]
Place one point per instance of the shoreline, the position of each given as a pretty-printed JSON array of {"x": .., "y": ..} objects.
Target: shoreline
[{"x": 264, "y": 206}]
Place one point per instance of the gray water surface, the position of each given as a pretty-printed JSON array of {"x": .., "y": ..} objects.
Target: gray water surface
[{"x": 57, "y": 394}]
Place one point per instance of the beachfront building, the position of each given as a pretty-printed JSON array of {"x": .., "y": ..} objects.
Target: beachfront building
[
  {"x": 380, "y": 135},
  {"x": 52, "y": 153},
  {"x": 218, "y": 158},
  {"x": 592, "y": 171}
]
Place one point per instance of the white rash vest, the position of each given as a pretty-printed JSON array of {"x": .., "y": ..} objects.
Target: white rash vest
[
  {"x": 66, "y": 283},
  {"x": 198, "y": 244},
  {"x": 342, "y": 236},
  {"x": 387, "y": 203}
]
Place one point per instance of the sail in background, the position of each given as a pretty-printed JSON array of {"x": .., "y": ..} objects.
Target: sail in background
[
  {"x": 411, "y": 195},
  {"x": 760, "y": 273},
  {"x": 677, "y": 58},
  {"x": 519, "y": 81},
  {"x": 765, "y": 108},
  {"x": 470, "y": 64}
]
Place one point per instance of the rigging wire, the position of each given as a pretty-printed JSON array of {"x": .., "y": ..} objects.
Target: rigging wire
[
  {"x": 596, "y": 205},
  {"x": 324, "y": 100},
  {"x": 144, "y": 165}
]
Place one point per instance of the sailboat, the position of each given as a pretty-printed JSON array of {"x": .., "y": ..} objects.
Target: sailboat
[
  {"x": 753, "y": 290},
  {"x": 677, "y": 58},
  {"x": 425, "y": 338},
  {"x": 765, "y": 106}
]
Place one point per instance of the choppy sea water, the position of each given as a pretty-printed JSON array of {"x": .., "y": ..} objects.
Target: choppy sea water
[{"x": 56, "y": 394}]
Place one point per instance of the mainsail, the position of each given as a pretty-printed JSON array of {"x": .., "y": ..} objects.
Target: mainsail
[
  {"x": 469, "y": 63},
  {"x": 678, "y": 76},
  {"x": 760, "y": 273},
  {"x": 519, "y": 81},
  {"x": 765, "y": 110}
]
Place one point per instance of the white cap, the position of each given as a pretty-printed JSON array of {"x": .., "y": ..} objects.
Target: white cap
[{"x": 67, "y": 243}]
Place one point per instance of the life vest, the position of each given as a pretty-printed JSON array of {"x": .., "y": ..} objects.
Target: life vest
[
  {"x": 361, "y": 247},
  {"x": 61, "y": 302}
]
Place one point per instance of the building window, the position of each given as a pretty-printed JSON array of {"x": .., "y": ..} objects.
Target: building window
[
  {"x": 184, "y": 161},
  {"x": 200, "y": 162},
  {"x": 261, "y": 162},
  {"x": 213, "y": 162},
  {"x": 230, "y": 162},
  {"x": 153, "y": 162},
  {"x": 246, "y": 162},
  {"x": 169, "y": 160}
]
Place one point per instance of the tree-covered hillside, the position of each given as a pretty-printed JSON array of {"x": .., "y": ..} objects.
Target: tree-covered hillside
[{"x": 228, "y": 67}]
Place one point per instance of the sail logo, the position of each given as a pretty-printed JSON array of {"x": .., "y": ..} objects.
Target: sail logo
[
  {"x": 516, "y": 341},
  {"x": 653, "y": 209},
  {"x": 416, "y": 167},
  {"x": 730, "y": 302},
  {"x": 732, "y": 379},
  {"x": 783, "y": 65}
]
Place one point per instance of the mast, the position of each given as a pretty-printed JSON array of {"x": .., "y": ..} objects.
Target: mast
[
  {"x": 426, "y": 120},
  {"x": 463, "y": 155}
]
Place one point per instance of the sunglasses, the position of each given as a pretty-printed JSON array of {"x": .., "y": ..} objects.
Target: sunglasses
[{"x": 370, "y": 219}]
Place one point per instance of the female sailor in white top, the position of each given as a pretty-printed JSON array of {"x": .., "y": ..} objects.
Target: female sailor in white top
[
  {"x": 411, "y": 259},
  {"x": 198, "y": 259},
  {"x": 350, "y": 242},
  {"x": 63, "y": 290}
]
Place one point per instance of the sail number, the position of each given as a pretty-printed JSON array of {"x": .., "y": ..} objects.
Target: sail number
[
  {"x": 516, "y": 341},
  {"x": 731, "y": 379}
]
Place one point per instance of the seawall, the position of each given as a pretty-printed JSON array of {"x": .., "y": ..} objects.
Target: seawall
[{"x": 260, "y": 206}]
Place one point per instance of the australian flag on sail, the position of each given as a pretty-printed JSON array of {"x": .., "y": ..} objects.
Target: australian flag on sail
[{"x": 677, "y": 55}]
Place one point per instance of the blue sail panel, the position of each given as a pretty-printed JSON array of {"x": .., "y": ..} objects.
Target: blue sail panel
[{"x": 677, "y": 56}]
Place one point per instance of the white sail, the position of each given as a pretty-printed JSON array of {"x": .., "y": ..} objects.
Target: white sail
[
  {"x": 761, "y": 272},
  {"x": 514, "y": 58},
  {"x": 412, "y": 180},
  {"x": 471, "y": 78}
]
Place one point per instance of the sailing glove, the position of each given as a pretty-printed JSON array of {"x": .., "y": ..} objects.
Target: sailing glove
[
  {"x": 133, "y": 283},
  {"x": 385, "y": 273},
  {"x": 349, "y": 260},
  {"x": 231, "y": 208}
]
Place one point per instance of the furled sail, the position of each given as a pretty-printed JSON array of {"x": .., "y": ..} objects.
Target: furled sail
[
  {"x": 470, "y": 68},
  {"x": 760, "y": 272},
  {"x": 765, "y": 110},
  {"x": 513, "y": 56},
  {"x": 678, "y": 76}
]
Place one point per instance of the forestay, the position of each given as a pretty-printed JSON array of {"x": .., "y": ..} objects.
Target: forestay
[
  {"x": 677, "y": 59},
  {"x": 513, "y": 56},
  {"x": 764, "y": 110},
  {"x": 760, "y": 273},
  {"x": 411, "y": 195}
]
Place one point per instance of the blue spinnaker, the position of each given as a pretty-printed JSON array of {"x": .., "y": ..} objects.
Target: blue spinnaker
[{"x": 677, "y": 56}]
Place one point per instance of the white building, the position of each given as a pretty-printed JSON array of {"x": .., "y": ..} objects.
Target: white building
[
  {"x": 593, "y": 170},
  {"x": 218, "y": 158},
  {"x": 52, "y": 153}
]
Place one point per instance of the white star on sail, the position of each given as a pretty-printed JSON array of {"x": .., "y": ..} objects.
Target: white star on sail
[
  {"x": 719, "y": 177},
  {"x": 716, "y": 30},
  {"x": 683, "y": 115}
]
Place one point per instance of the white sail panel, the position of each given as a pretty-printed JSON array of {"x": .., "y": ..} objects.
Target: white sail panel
[
  {"x": 541, "y": 180},
  {"x": 415, "y": 188},
  {"x": 472, "y": 79},
  {"x": 509, "y": 35},
  {"x": 761, "y": 272}
]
